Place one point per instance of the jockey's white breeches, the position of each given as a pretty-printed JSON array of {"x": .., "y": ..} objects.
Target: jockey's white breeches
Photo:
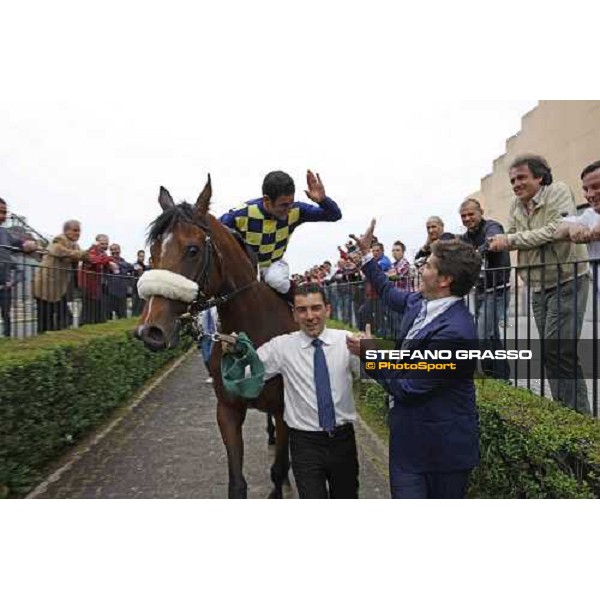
[{"x": 277, "y": 276}]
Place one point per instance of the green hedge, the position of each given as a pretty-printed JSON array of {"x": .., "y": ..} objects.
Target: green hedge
[
  {"x": 58, "y": 386},
  {"x": 531, "y": 447}
]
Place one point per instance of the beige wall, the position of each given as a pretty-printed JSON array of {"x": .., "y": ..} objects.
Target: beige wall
[{"x": 565, "y": 132}]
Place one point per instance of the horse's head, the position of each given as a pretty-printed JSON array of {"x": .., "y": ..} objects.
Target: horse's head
[{"x": 185, "y": 267}]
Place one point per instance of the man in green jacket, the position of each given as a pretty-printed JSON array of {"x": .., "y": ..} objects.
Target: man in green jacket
[{"x": 556, "y": 272}]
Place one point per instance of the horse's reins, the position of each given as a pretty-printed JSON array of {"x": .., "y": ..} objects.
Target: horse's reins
[{"x": 202, "y": 302}]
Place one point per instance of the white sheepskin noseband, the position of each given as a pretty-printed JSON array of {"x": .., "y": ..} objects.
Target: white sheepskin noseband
[{"x": 159, "y": 282}]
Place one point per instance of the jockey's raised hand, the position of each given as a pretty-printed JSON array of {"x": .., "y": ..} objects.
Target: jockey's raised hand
[
  {"x": 316, "y": 189},
  {"x": 366, "y": 239}
]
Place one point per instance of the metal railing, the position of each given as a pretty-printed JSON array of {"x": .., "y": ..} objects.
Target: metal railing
[
  {"x": 557, "y": 322},
  {"x": 35, "y": 299}
]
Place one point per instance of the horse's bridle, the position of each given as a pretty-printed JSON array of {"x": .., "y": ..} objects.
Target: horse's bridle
[{"x": 202, "y": 301}]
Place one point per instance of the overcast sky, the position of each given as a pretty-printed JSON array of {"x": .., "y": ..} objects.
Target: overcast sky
[{"x": 103, "y": 106}]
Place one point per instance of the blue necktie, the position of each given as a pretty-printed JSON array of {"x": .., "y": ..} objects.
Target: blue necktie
[{"x": 323, "y": 386}]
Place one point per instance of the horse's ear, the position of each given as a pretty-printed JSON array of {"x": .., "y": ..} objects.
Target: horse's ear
[
  {"x": 203, "y": 201},
  {"x": 164, "y": 199}
]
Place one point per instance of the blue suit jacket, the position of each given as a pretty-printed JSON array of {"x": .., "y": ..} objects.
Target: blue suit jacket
[{"x": 434, "y": 425}]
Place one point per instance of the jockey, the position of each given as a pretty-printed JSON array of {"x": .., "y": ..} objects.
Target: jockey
[{"x": 266, "y": 224}]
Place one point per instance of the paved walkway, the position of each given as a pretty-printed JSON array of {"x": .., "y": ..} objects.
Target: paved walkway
[{"x": 168, "y": 446}]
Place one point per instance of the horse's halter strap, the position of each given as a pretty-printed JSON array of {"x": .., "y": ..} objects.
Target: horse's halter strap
[
  {"x": 202, "y": 279},
  {"x": 202, "y": 301}
]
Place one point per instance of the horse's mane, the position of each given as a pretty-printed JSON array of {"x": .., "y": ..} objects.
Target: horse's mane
[
  {"x": 168, "y": 219},
  {"x": 187, "y": 212}
]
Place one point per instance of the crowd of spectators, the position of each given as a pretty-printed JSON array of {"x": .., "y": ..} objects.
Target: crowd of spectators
[
  {"x": 99, "y": 276},
  {"x": 358, "y": 304},
  {"x": 549, "y": 239}
]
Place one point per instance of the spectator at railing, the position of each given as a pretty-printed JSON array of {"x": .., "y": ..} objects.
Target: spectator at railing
[
  {"x": 318, "y": 274},
  {"x": 209, "y": 321},
  {"x": 383, "y": 261},
  {"x": 327, "y": 272},
  {"x": 586, "y": 227},
  {"x": 493, "y": 285},
  {"x": 313, "y": 275},
  {"x": 346, "y": 272},
  {"x": 10, "y": 274},
  {"x": 342, "y": 291},
  {"x": 53, "y": 276},
  {"x": 371, "y": 311},
  {"x": 118, "y": 284},
  {"x": 399, "y": 273},
  {"x": 561, "y": 285},
  {"x": 139, "y": 267},
  {"x": 348, "y": 248},
  {"x": 93, "y": 281},
  {"x": 435, "y": 232}
]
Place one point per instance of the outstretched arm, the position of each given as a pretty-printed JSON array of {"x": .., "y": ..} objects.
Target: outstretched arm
[{"x": 390, "y": 295}]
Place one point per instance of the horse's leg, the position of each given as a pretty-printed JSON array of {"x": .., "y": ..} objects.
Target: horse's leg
[
  {"x": 230, "y": 417},
  {"x": 281, "y": 466},
  {"x": 270, "y": 429}
]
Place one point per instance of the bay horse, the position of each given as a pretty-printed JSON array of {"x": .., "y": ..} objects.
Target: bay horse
[{"x": 199, "y": 263}]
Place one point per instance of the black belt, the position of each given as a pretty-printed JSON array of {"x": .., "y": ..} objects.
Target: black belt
[{"x": 340, "y": 429}]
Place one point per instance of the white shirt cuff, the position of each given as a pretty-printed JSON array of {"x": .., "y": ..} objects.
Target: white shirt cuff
[{"x": 366, "y": 258}]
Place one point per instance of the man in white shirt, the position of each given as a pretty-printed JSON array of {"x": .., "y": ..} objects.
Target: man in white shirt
[
  {"x": 316, "y": 367},
  {"x": 585, "y": 228}
]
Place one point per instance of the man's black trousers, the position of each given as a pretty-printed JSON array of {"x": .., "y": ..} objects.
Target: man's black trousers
[{"x": 324, "y": 465}]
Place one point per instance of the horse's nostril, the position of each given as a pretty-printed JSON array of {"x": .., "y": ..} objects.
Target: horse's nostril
[
  {"x": 154, "y": 334},
  {"x": 153, "y": 337}
]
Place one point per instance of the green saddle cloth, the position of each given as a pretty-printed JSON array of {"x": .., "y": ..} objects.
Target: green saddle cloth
[{"x": 233, "y": 368}]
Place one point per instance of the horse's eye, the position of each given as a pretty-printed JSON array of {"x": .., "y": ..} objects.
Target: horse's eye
[{"x": 193, "y": 251}]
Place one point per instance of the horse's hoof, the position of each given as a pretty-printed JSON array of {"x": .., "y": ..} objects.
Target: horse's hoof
[
  {"x": 276, "y": 494},
  {"x": 238, "y": 493}
]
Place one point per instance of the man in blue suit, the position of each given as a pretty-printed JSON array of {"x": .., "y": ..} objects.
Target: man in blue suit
[{"x": 434, "y": 425}]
